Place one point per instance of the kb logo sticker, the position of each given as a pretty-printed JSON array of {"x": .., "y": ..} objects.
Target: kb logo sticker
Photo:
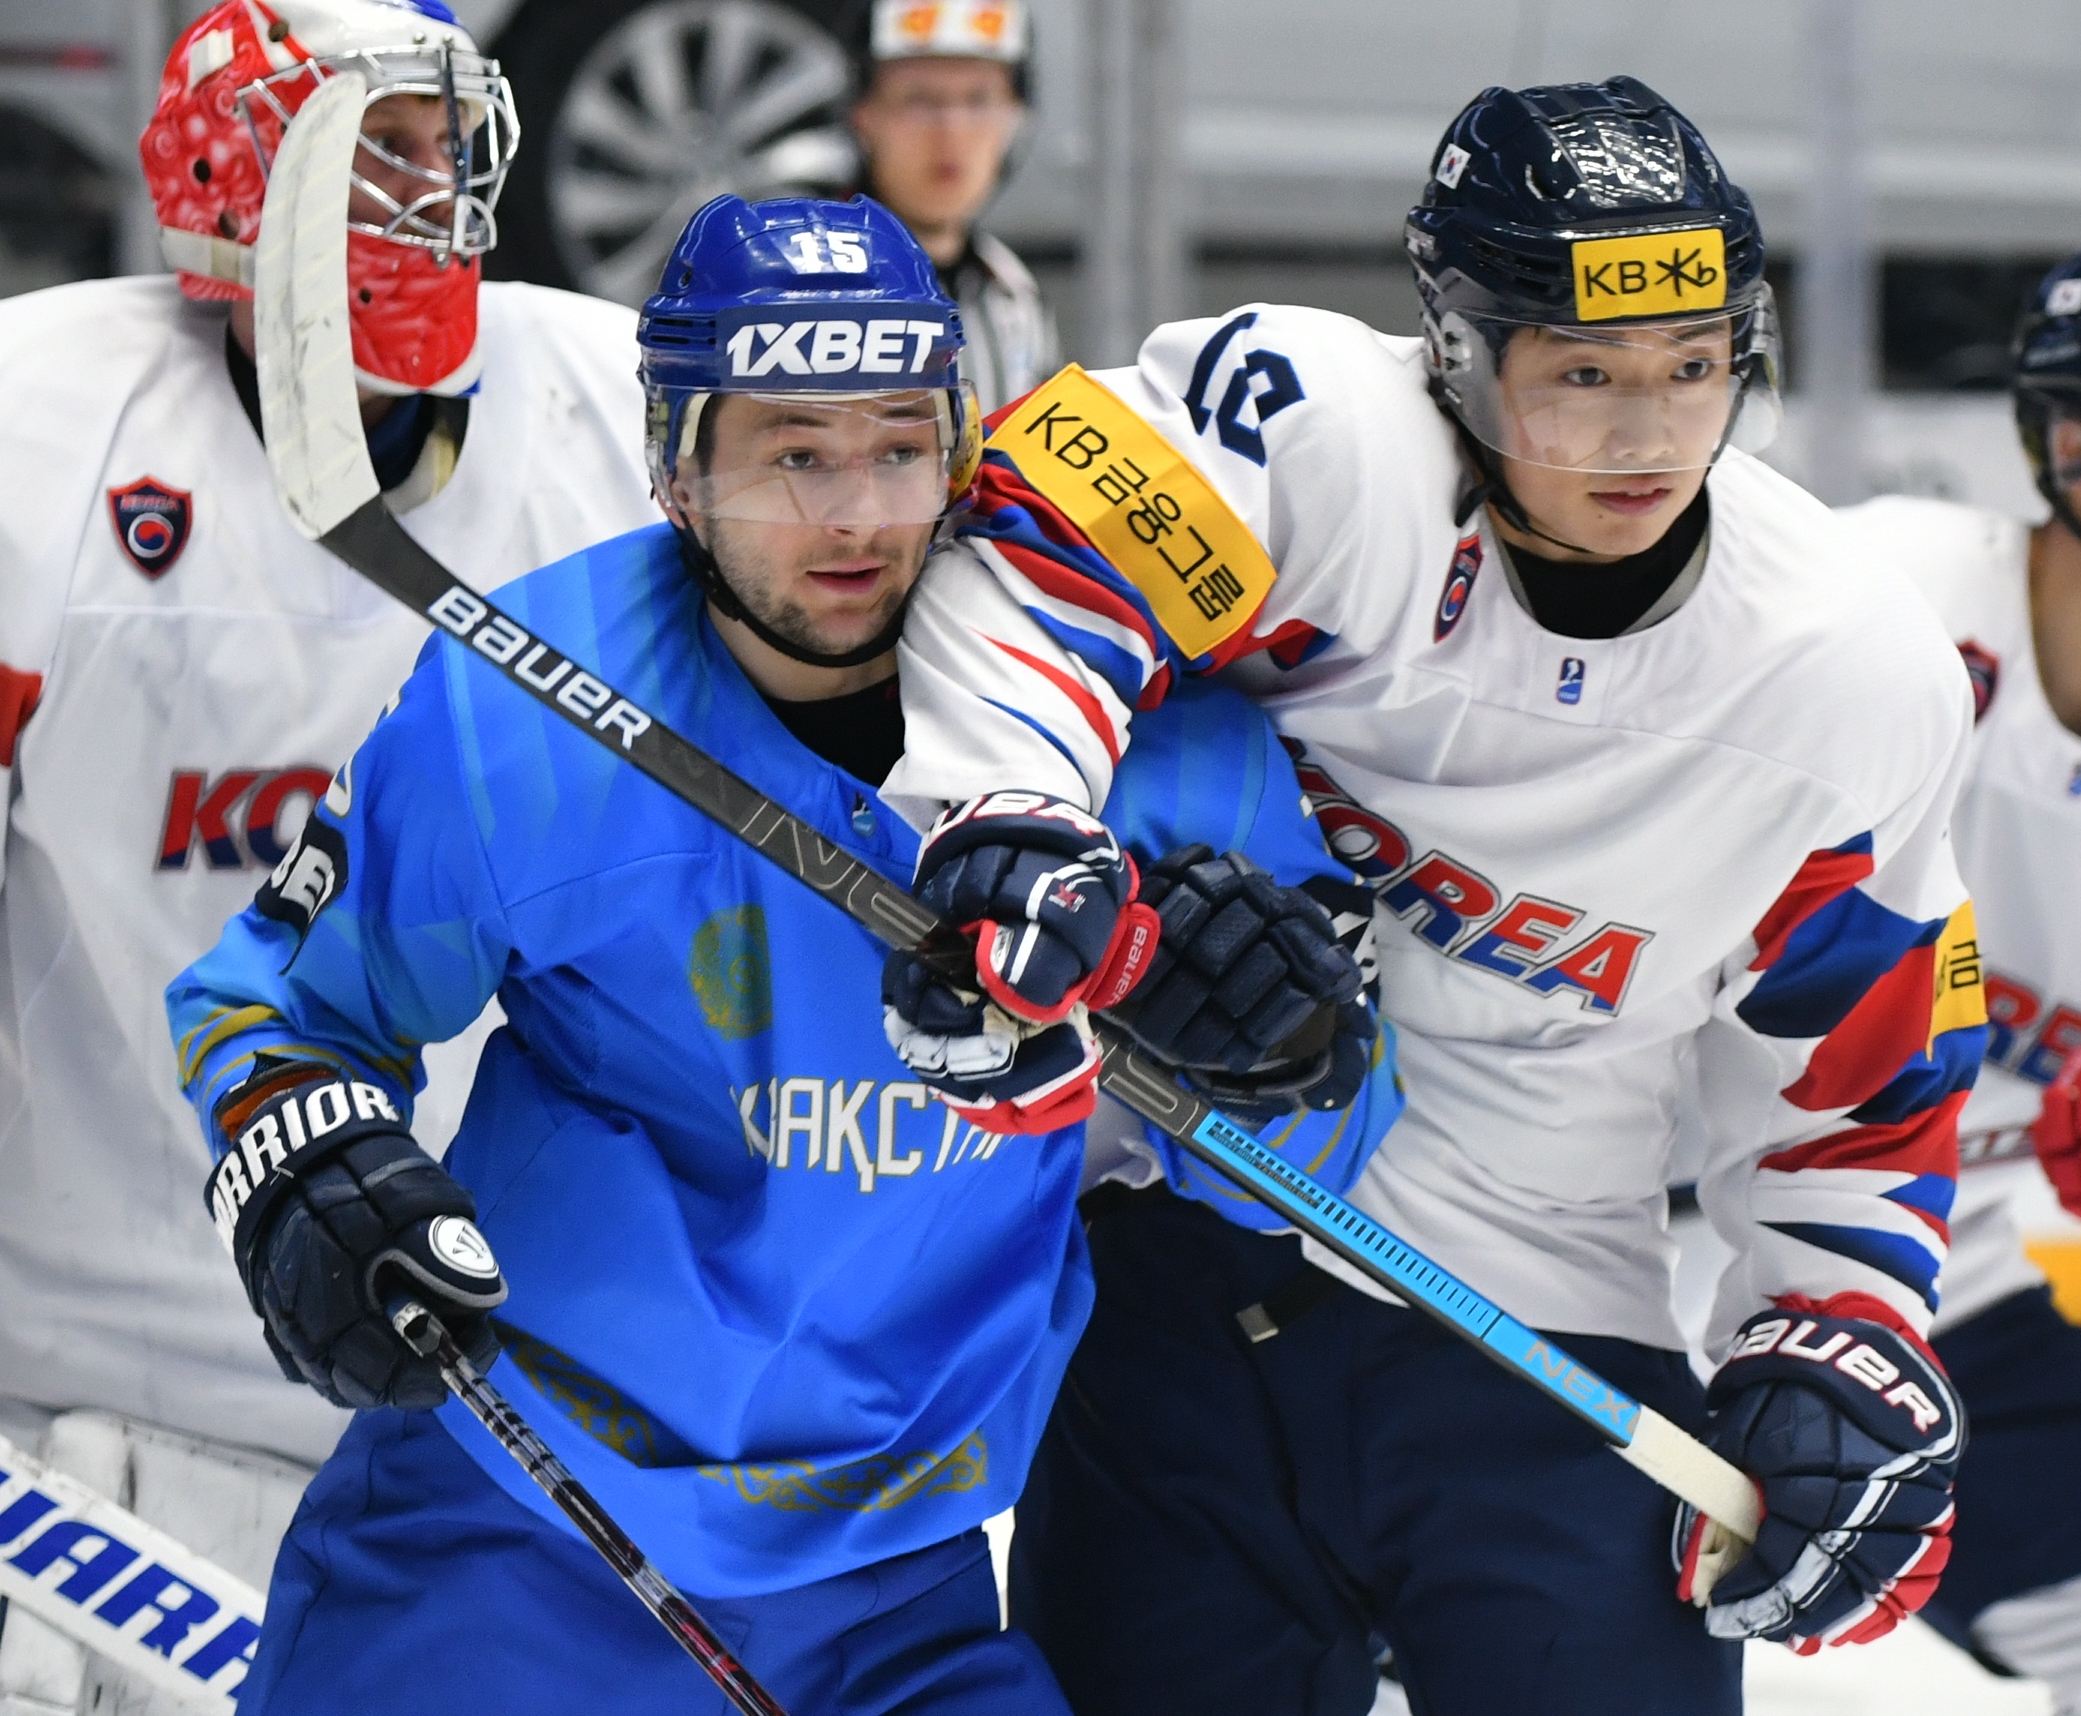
[
  {"x": 151, "y": 523},
  {"x": 1650, "y": 274}
]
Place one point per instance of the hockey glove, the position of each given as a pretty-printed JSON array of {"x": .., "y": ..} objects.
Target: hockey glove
[
  {"x": 1003, "y": 1074},
  {"x": 1047, "y": 896},
  {"x": 2056, "y": 1134},
  {"x": 1852, "y": 1433},
  {"x": 328, "y": 1207},
  {"x": 1252, "y": 993}
]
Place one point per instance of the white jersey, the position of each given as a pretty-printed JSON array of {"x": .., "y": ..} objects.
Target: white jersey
[
  {"x": 180, "y": 672},
  {"x": 2018, "y": 832},
  {"x": 1720, "y": 835}
]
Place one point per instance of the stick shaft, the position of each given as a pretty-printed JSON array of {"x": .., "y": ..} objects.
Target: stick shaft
[{"x": 424, "y": 1332}]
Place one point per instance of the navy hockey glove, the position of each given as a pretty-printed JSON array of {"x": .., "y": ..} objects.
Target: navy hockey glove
[
  {"x": 985, "y": 1065},
  {"x": 1852, "y": 1433},
  {"x": 1047, "y": 895},
  {"x": 1253, "y": 993},
  {"x": 328, "y": 1207},
  {"x": 1049, "y": 898}
]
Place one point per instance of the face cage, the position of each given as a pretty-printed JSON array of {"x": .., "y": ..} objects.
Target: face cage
[
  {"x": 1755, "y": 410},
  {"x": 672, "y": 421},
  {"x": 477, "y": 98}
]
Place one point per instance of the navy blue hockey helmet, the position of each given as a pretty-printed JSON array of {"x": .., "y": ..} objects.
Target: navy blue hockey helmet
[
  {"x": 2045, "y": 382},
  {"x": 1600, "y": 208},
  {"x": 800, "y": 297}
]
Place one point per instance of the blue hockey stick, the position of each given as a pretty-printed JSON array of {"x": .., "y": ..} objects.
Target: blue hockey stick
[{"x": 322, "y": 472}]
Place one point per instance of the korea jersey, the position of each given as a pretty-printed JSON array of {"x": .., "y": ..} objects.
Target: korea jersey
[
  {"x": 180, "y": 673},
  {"x": 1721, "y": 834},
  {"x": 782, "y": 1313},
  {"x": 2018, "y": 832}
]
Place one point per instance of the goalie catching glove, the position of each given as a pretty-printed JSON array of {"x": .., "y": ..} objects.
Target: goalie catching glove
[
  {"x": 1852, "y": 1433},
  {"x": 328, "y": 1207}
]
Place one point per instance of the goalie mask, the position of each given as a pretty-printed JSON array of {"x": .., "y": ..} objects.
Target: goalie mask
[
  {"x": 1592, "y": 285},
  {"x": 830, "y": 319},
  {"x": 438, "y": 138}
]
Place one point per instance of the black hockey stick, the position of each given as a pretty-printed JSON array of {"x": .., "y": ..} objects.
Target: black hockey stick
[
  {"x": 427, "y": 1336},
  {"x": 322, "y": 472}
]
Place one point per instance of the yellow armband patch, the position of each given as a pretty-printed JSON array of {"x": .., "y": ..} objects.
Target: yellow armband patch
[
  {"x": 1960, "y": 1001},
  {"x": 1145, "y": 507}
]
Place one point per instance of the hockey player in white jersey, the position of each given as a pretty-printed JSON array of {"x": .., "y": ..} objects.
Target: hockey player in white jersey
[
  {"x": 181, "y": 672},
  {"x": 1645, "y": 761},
  {"x": 2010, "y": 597}
]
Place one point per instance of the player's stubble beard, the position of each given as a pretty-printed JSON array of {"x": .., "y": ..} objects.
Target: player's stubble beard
[{"x": 760, "y": 566}]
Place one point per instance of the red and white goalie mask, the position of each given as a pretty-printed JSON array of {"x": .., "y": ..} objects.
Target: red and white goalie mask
[{"x": 438, "y": 135}]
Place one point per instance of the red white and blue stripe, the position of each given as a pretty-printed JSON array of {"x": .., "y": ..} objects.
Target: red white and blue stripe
[{"x": 1849, "y": 985}]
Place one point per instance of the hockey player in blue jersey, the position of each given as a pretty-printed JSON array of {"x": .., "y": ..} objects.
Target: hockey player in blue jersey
[{"x": 796, "y": 1324}]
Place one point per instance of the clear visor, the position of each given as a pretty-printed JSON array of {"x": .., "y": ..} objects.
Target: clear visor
[
  {"x": 857, "y": 462},
  {"x": 2063, "y": 444},
  {"x": 1642, "y": 397},
  {"x": 461, "y": 131}
]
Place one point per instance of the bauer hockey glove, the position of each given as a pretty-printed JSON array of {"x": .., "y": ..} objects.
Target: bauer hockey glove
[
  {"x": 1047, "y": 896},
  {"x": 1253, "y": 994},
  {"x": 1852, "y": 1434},
  {"x": 328, "y": 1207},
  {"x": 2056, "y": 1134}
]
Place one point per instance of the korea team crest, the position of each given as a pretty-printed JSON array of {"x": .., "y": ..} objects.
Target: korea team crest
[
  {"x": 151, "y": 523},
  {"x": 1459, "y": 587}
]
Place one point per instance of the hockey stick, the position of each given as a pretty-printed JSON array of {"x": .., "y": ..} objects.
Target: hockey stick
[
  {"x": 424, "y": 1333},
  {"x": 303, "y": 343},
  {"x": 324, "y": 477},
  {"x": 124, "y": 1589}
]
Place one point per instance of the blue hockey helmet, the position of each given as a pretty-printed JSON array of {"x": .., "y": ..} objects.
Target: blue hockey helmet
[
  {"x": 801, "y": 297},
  {"x": 834, "y": 313},
  {"x": 1600, "y": 210},
  {"x": 2045, "y": 384}
]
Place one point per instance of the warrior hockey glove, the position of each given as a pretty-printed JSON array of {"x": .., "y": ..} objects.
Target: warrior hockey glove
[
  {"x": 2056, "y": 1134},
  {"x": 1852, "y": 1433},
  {"x": 1242, "y": 966},
  {"x": 328, "y": 1207},
  {"x": 1048, "y": 898}
]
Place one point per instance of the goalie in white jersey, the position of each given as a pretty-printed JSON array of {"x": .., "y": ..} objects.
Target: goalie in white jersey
[
  {"x": 1646, "y": 761},
  {"x": 2010, "y": 597},
  {"x": 180, "y": 673}
]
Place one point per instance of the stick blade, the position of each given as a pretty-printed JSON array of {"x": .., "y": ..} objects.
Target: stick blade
[{"x": 304, "y": 347}]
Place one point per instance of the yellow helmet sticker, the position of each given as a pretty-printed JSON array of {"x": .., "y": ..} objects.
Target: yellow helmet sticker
[{"x": 1650, "y": 274}]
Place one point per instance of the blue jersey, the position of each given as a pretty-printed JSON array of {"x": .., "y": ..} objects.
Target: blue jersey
[{"x": 783, "y": 1313}]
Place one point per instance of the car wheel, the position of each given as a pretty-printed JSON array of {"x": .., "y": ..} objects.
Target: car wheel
[{"x": 636, "y": 112}]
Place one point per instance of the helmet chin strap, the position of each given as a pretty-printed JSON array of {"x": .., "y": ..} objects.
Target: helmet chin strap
[
  {"x": 1493, "y": 490},
  {"x": 706, "y": 573}
]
